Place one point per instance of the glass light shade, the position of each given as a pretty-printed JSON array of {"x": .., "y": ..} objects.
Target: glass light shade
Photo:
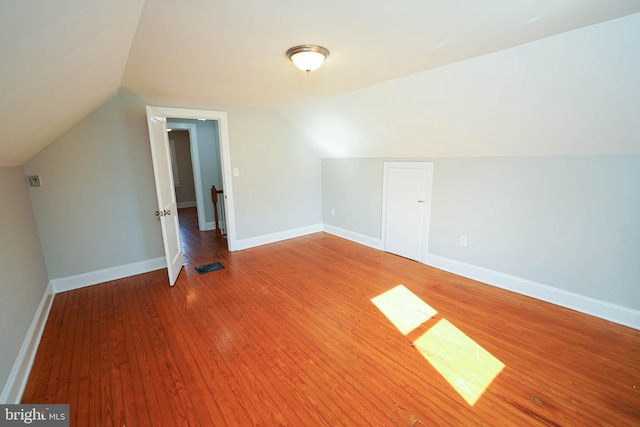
[
  {"x": 307, "y": 57},
  {"x": 308, "y": 61}
]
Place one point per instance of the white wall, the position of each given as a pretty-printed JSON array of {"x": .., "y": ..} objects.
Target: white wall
[
  {"x": 569, "y": 222},
  {"x": 576, "y": 93},
  {"x": 551, "y": 193},
  {"x": 564, "y": 229},
  {"x": 185, "y": 190},
  {"x": 210, "y": 162},
  {"x": 95, "y": 209},
  {"x": 353, "y": 189},
  {"x": 24, "y": 275},
  {"x": 279, "y": 183}
]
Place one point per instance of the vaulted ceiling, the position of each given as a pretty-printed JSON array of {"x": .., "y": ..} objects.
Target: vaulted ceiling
[{"x": 61, "y": 60}]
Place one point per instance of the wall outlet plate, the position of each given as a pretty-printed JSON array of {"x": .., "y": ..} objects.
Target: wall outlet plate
[{"x": 34, "y": 180}]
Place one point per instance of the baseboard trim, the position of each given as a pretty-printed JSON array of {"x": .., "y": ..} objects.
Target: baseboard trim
[
  {"x": 277, "y": 237},
  {"x": 604, "y": 310},
  {"x": 186, "y": 204},
  {"x": 209, "y": 226},
  {"x": 17, "y": 381},
  {"x": 372, "y": 242},
  {"x": 105, "y": 275}
]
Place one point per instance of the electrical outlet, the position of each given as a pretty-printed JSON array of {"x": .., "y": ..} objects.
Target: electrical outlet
[
  {"x": 236, "y": 172},
  {"x": 463, "y": 240},
  {"x": 333, "y": 211}
]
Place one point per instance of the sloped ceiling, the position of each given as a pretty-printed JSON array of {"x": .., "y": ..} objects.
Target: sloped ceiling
[
  {"x": 60, "y": 60},
  {"x": 63, "y": 59}
]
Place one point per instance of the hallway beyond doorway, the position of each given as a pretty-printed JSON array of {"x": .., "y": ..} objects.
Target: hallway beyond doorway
[{"x": 199, "y": 247}]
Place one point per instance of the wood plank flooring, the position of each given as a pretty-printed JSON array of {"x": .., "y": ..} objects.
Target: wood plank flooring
[{"x": 287, "y": 334}]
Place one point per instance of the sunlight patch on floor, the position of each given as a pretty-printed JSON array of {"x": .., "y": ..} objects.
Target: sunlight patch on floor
[
  {"x": 403, "y": 308},
  {"x": 465, "y": 365}
]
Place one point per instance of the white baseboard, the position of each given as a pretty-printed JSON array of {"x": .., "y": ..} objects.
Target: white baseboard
[
  {"x": 208, "y": 226},
  {"x": 604, "y": 310},
  {"x": 354, "y": 237},
  {"x": 17, "y": 381},
  {"x": 100, "y": 276},
  {"x": 276, "y": 237},
  {"x": 186, "y": 204}
]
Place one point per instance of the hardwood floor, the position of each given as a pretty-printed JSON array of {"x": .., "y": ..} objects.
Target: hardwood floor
[{"x": 287, "y": 334}]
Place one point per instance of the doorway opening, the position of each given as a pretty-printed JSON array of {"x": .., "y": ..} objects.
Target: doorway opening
[
  {"x": 182, "y": 118},
  {"x": 197, "y": 149},
  {"x": 197, "y": 169}
]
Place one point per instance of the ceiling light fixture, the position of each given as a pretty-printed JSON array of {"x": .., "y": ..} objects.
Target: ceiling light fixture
[{"x": 307, "y": 57}]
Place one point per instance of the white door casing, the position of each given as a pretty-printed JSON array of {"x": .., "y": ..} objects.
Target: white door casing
[
  {"x": 167, "y": 206},
  {"x": 406, "y": 208},
  {"x": 225, "y": 157}
]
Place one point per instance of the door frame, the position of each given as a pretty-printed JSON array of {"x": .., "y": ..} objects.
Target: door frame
[
  {"x": 225, "y": 160},
  {"x": 426, "y": 220}
]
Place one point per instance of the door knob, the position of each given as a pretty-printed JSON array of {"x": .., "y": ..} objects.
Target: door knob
[
  {"x": 166, "y": 212},
  {"x": 158, "y": 213}
]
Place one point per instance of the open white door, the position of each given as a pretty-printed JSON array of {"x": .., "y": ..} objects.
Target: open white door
[
  {"x": 225, "y": 157},
  {"x": 167, "y": 207}
]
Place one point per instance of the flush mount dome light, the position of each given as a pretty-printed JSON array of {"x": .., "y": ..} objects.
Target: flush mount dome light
[{"x": 307, "y": 57}]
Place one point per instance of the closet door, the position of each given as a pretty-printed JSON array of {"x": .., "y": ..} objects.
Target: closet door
[{"x": 406, "y": 208}]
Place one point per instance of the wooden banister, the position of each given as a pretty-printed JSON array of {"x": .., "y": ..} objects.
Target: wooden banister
[{"x": 214, "y": 199}]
